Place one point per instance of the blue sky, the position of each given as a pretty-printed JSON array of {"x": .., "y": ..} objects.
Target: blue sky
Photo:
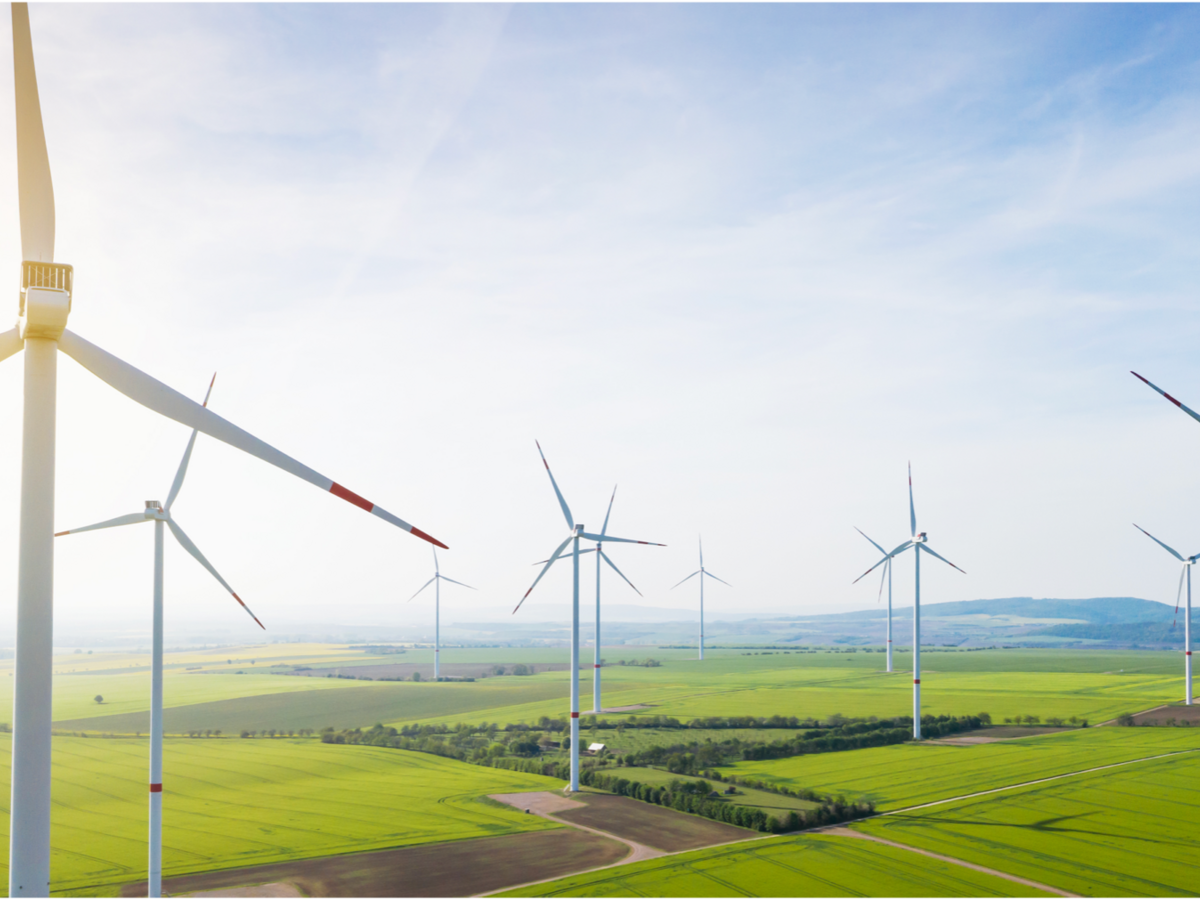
[{"x": 746, "y": 261}]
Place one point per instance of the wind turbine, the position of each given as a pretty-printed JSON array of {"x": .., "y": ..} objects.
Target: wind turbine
[
  {"x": 45, "y": 304},
  {"x": 577, "y": 534},
  {"x": 919, "y": 544},
  {"x": 601, "y": 555},
  {"x": 1187, "y": 562},
  {"x": 703, "y": 573},
  {"x": 160, "y": 514},
  {"x": 436, "y": 581},
  {"x": 887, "y": 576}
]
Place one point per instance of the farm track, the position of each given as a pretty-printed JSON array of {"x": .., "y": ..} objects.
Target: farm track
[{"x": 849, "y": 832}]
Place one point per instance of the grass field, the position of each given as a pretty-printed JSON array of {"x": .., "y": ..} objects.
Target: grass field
[
  {"x": 1124, "y": 832},
  {"x": 906, "y": 774},
  {"x": 805, "y": 866},
  {"x": 234, "y": 802}
]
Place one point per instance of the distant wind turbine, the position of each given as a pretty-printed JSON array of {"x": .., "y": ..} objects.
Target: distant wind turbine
[
  {"x": 1187, "y": 562},
  {"x": 436, "y": 581},
  {"x": 160, "y": 515},
  {"x": 919, "y": 545},
  {"x": 577, "y": 533},
  {"x": 703, "y": 573},
  {"x": 887, "y": 576}
]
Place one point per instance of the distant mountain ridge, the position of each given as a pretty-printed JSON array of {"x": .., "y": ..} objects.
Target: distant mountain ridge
[{"x": 1094, "y": 610}]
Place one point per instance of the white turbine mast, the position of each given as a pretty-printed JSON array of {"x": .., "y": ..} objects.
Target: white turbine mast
[
  {"x": 436, "y": 581},
  {"x": 577, "y": 533},
  {"x": 919, "y": 544},
  {"x": 160, "y": 514},
  {"x": 1185, "y": 574},
  {"x": 703, "y": 573},
  {"x": 45, "y": 305},
  {"x": 886, "y": 577}
]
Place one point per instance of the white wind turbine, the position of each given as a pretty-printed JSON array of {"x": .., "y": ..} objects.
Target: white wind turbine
[
  {"x": 919, "y": 545},
  {"x": 1187, "y": 562},
  {"x": 887, "y": 576},
  {"x": 160, "y": 514},
  {"x": 577, "y": 533},
  {"x": 45, "y": 304},
  {"x": 703, "y": 573},
  {"x": 436, "y": 581},
  {"x": 601, "y": 555}
]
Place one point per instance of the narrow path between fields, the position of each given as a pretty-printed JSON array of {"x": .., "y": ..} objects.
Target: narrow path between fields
[{"x": 847, "y": 832}]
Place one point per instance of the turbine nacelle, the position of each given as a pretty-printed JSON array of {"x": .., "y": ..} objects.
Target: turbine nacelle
[
  {"x": 154, "y": 510},
  {"x": 920, "y": 538},
  {"x": 45, "y": 299}
]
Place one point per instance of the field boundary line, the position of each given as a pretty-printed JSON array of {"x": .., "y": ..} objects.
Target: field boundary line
[
  {"x": 640, "y": 853},
  {"x": 1010, "y": 787},
  {"x": 848, "y": 832}
]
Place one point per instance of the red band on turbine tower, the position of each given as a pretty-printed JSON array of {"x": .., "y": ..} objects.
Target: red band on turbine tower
[
  {"x": 363, "y": 503},
  {"x": 596, "y": 665},
  {"x": 916, "y": 681},
  {"x": 574, "y": 715},
  {"x": 156, "y": 788}
]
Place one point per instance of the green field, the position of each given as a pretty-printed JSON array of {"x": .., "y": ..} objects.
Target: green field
[
  {"x": 806, "y": 866},
  {"x": 905, "y": 774},
  {"x": 1123, "y": 832},
  {"x": 233, "y": 802},
  {"x": 766, "y": 800}
]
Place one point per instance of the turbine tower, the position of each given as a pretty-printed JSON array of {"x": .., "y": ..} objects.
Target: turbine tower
[
  {"x": 919, "y": 544},
  {"x": 887, "y": 576},
  {"x": 1187, "y": 563},
  {"x": 160, "y": 514},
  {"x": 45, "y": 304},
  {"x": 703, "y": 573},
  {"x": 436, "y": 581},
  {"x": 577, "y": 534}
]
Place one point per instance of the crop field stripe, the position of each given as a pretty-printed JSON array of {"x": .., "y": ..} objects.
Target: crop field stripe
[
  {"x": 1132, "y": 833},
  {"x": 1010, "y": 787}
]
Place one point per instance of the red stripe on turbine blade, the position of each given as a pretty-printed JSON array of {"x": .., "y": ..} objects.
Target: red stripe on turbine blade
[
  {"x": 61, "y": 533},
  {"x": 362, "y": 502},
  {"x": 156, "y": 788},
  {"x": 417, "y": 532}
]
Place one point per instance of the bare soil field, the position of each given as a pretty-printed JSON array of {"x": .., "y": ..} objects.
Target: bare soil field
[
  {"x": 654, "y": 826},
  {"x": 1180, "y": 714},
  {"x": 457, "y": 869},
  {"x": 404, "y": 671}
]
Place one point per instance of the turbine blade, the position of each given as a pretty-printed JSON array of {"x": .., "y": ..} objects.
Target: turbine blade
[
  {"x": 561, "y": 501},
  {"x": 187, "y": 455},
  {"x": 711, "y": 575},
  {"x": 912, "y": 510},
  {"x": 882, "y": 576},
  {"x": 1190, "y": 412},
  {"x": 604, "y": 530},
  {"x": 886, "y": 558},
  {"x": 700, "y": 541},
  {"x": 186, "y": 543},
  {"x": 604, "y": 556},
  {"x": 459, "y": 583},
  {"x": 436, "y": 570},
  {"x": 35, "y": 189},
  {"x": 693, "y": 575},
  {"x": 927, "y": 549},
  {"x": 613, "y": 540},
  {"x": 153, "y": 394},
  {"x": 1157, "y": 541},
  {"x": 864, "y": 534},
  {"x": 10, "y": 343},
  {"x": 1179, "y": 592},
  {"x": 425, "y": 585},
  {"x": 542, "y": 562},
  {"x": 131, "y": 519},
  {"x": 549, "y": 563}
]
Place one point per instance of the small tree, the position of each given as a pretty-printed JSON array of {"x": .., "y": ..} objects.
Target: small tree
[
  {"x": 416, "y": 676},
  {"x": 99, "y": 699}
]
